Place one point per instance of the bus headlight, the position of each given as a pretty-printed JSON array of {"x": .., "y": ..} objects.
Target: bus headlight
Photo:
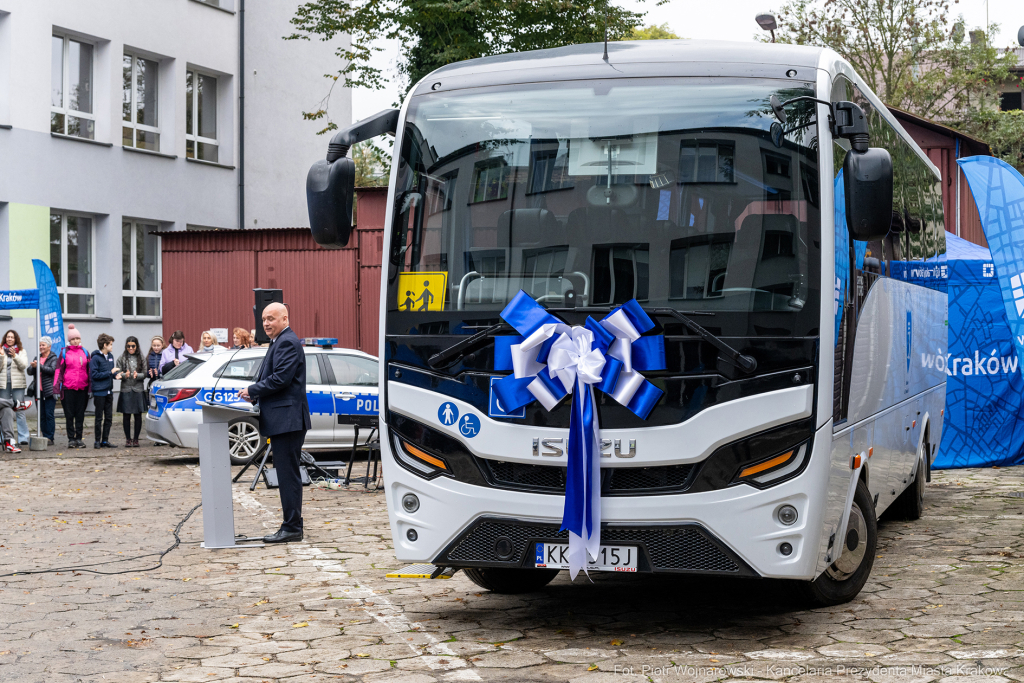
[
  {"x": 427, "y": 465},
  {"x": 778, "y": 466}
]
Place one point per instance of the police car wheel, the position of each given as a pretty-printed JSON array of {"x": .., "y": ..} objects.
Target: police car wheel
[
  {"x": 243, "y": 440},
  {"x": 510, "y": 580}
]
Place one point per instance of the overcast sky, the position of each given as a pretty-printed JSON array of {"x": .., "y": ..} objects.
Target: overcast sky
[{"x": 715, "y": 20}]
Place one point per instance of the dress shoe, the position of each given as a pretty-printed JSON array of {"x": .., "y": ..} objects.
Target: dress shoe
[
  {"x": 282, "y": 536},
  {"x": 106, "y": 444}
]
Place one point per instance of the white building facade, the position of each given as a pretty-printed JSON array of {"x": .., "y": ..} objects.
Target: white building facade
[{"x": 122, "y": 119}]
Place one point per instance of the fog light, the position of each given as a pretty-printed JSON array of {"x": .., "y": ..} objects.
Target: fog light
[
  {"x": 786, "y": 549},
  {"x": 504, "y": 548},
  {"x": 788, "y": 515},
  {"x": 410, "y": 503},
  {"x": 411, "y": 534}
]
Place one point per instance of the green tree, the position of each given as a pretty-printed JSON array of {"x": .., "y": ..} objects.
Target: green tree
[
  {"x": 652, "y": 32},
  {"x": 373, "y": 165},
  {"x": 1002, "y": 130},
  {"x": 438, "y": 32},
  {"x": 906, "y": 50}
]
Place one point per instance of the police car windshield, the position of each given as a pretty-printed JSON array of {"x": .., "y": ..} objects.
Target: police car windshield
[{"x": 676, "y": 192}]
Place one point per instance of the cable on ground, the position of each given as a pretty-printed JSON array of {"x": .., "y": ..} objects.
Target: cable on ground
[{"x": 82, "y": 567}]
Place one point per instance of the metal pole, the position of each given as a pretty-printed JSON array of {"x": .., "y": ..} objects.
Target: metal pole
[
  {"x": 39, "y": 378},
  {"x": 956, "y": 169}
]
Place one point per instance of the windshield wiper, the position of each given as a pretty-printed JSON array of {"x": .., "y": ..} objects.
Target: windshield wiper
[
  {"x": 742, "y": 361},
  {"x": 454, "y": 353}
]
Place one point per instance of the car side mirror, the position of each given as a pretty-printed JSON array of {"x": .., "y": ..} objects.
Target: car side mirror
[
  {"x": 330, "y": 187},
  {"x": 868, "y": 181}
]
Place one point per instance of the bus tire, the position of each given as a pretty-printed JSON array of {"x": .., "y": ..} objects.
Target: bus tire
[
  {"x": 910, "y": 504},
  {"x": 843, "y": 580},
  {"x": 510, "y": 580}
]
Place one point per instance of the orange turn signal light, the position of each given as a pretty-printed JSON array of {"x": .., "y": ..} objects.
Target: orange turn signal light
[
  {"x": 871, "y": 451},
  {"x": 424, "y": 456},
  {"x": 766, "y": 465},
  {"x": 855, "y": 462}
]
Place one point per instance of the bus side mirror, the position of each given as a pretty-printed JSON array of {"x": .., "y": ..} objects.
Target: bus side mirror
[
  {"x": 331, "y": 182},
  {"x": 330, "y": 186},
  {"x": 868, "y": 180}
]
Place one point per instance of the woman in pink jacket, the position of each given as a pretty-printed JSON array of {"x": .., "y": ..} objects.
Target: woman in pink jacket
[{"x": 73, "y": 377}]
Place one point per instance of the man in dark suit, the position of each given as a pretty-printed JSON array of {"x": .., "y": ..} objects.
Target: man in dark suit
[{"x": 284, "y": 414}]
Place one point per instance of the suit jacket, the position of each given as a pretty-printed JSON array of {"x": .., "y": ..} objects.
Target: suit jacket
[{"x": 281, "y": 388}]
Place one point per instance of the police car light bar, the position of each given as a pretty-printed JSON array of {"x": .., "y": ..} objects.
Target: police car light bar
[{"x": 324, "y": 342}]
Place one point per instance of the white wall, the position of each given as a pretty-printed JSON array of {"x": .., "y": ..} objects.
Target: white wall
[{"x": 282, "y": 80}]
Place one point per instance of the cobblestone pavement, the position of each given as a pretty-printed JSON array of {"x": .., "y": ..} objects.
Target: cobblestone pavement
[{"x": 944, "y": 602}]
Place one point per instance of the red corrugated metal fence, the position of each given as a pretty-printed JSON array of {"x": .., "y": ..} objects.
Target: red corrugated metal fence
[{"x": 208, "y": 277}]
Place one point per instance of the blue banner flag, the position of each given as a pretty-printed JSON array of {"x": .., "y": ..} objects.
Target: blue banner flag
[
  {"x": 998, "y": 191},
  {"x": 49, "y": 305},
  {"x": 19, "y": 298}
]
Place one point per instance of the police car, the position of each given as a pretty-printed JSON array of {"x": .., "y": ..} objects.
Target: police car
[{"x": 338, "y": 382}]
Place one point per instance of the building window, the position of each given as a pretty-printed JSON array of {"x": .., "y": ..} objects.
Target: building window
[
  {"x": 71, "y": 88},
  {"x": 200, "y": 116},
  {"x": 140, "y": 270},
  {"x": 551, "y": 169},
  {"x": 140, "y": 127},
  {"x": 706, "y": 162},
  {"x": 71, "y": 259},
  {"x": 1010, "y": 101},
  {"x": 490, "y": 180}
]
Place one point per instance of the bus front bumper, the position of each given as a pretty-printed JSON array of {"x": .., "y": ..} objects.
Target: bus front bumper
[{"x": 733, "y": 531}]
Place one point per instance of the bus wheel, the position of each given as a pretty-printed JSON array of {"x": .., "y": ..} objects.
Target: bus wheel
[
  {"x": 508, "y": 580},
  {"x": 842, "y": 581},
  {"x": 910, "y": 504}
]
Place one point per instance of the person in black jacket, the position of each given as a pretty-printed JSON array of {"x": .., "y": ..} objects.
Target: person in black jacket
[
  {"x": 47, "y": 401},
  {"x": 280, "y": 392},
  {"x": 101, "y": 380}
]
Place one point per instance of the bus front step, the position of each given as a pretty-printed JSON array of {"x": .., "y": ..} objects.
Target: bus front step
[{"x": 423, "y": 571}]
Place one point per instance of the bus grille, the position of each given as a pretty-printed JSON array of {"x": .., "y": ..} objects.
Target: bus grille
[
  {"x": 614, "y": 480},
  {"x": 677, "y": 548}
]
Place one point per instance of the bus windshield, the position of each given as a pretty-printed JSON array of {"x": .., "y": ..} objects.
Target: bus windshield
[{"x": 685, "y": 193}]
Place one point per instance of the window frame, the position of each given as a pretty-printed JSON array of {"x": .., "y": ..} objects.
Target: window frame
[
  {"x": 130, "y": 123},
  {"x": 194, "y": 137},
  {"x": 64, "y": 110},
  {"x": 134, "y": 292},
  {"x": 62, "y": 288}
]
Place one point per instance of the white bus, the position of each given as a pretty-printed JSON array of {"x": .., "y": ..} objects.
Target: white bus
[{"x": 766, "y": 211}]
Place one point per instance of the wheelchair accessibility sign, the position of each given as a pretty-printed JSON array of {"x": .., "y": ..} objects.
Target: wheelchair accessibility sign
[
  {"x": 469, "y": 425},
  {"x": 495, "y": 409}
]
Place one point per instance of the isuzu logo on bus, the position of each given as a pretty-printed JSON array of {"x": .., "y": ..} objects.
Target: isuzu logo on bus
[{"x": 556, "y": 448}]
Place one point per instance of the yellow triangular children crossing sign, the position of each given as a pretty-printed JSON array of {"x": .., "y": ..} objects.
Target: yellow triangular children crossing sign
[{"x": 422, "y": 291}]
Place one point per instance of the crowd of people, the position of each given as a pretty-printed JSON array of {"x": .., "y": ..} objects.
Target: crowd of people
[{"x": 75, "y": 375}]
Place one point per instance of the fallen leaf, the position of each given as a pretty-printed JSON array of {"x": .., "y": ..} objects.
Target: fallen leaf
[
  {"x": 261, "y": 602},
  {"x": 592, "y": 667},
  {"x": 362, "y": 654},
  {"x": 616, "y": 642},
  {"x": 187, "y": 579},
  {"x": 233, "y": 626},
  {"x": 301, "y": 624}
]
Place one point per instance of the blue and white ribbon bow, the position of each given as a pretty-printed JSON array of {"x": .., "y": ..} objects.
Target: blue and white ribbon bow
[{"x": 551, "y": 360}]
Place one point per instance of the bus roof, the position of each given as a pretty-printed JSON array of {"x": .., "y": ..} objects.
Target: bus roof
[{"x": 630, "y": 58}]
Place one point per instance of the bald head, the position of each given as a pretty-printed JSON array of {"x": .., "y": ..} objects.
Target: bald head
[{"x": 275, "y": 319}]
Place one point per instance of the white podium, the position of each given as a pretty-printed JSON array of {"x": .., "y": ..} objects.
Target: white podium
[{"x": 215, "y": 475}]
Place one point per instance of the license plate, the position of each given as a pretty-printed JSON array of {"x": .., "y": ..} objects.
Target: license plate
[{"x": 611, "y": 558}]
